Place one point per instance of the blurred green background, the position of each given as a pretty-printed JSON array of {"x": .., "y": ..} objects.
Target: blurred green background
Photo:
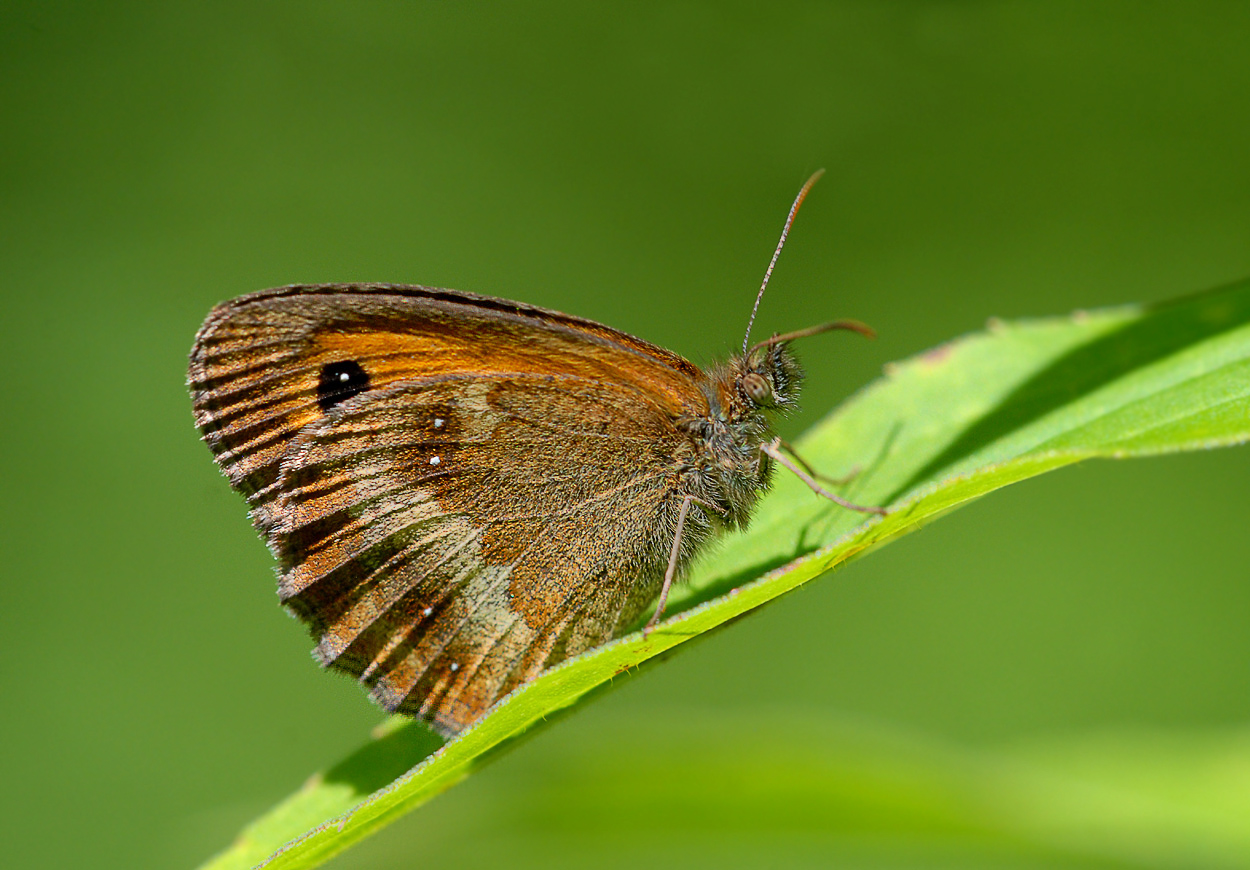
[{"x": 630, "y": 163}]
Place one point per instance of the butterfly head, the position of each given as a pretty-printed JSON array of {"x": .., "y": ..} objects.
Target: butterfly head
[{"x": 769, "y": 378}]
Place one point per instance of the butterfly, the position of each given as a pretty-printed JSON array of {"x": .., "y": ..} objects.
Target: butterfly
[{"x": 462, "y": 491}]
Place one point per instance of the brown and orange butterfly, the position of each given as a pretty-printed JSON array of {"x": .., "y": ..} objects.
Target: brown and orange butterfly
[{"x": 462, "y": 491}]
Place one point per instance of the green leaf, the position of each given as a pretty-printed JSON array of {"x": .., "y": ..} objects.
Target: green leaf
[{"x": 937, "y": 431}]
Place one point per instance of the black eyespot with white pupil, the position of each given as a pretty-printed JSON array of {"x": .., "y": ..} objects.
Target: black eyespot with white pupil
[{"x": 340, "y": 381}]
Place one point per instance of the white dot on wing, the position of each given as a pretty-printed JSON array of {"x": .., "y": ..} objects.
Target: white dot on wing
[{"x": 434, "y": 460}]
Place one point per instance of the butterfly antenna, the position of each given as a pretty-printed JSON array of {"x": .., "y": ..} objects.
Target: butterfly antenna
[
  {"x": 785, "y": 231},
  {"x": 853, "y": 325}
]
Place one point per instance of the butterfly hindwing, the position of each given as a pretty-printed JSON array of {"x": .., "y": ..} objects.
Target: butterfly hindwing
[{"x": 448, "y": 538}]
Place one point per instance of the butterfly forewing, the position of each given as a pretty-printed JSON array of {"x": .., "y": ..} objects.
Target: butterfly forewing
[{"x": 260, "y": 363}]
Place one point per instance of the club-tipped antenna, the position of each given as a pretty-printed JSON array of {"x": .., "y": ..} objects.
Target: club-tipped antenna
[{"x": 785, "y": 231}]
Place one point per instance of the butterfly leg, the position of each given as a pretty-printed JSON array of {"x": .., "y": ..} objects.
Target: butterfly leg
[
  {"x": 671, "y": 571},
  {"x": 836, "y": 481},
  {"x": 773, "y": 450},
  {"x": 806, "y": 466}
]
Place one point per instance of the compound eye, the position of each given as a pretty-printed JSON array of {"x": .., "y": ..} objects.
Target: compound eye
[{"x": 757, "y": 388}]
